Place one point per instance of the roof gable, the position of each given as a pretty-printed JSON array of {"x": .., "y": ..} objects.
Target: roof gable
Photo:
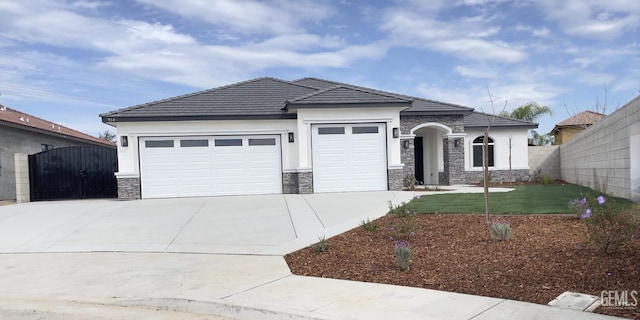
[
  {"x": 23, "y": 120},
  {"x": 483, "y": 120},
  {"x": 341, "y": 95},
  {"x": 420, "y": 106}
]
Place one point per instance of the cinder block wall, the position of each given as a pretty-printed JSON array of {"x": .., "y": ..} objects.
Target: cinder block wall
[
  {"x": 599, "y": 157},
  {"x": 546, "y": 159}
]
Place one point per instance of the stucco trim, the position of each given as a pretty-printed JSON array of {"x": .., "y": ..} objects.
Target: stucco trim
[{"x": 430, "y": 125}]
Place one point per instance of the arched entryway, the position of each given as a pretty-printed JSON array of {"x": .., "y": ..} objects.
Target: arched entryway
[{"x": 429, "y": 160}]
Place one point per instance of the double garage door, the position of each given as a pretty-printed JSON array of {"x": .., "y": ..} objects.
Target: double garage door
[{"x": 210, "y": 166}]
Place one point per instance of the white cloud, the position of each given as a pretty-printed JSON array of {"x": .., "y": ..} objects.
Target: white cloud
[
  {"x": 593, "y": 18},
  {"x": 466, "y": 38},
  {"x": 246, "y": 16},
  {"x": 538, "y": 32}
]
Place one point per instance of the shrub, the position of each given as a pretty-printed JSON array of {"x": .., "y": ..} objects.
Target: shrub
[
  {"x": 608, "y": 225},
  {"x": 403, "y": 254},
  {"x": 409, "y": 181},
  {"x": 400, "y": 209},
  {"x": 546, "y": 179},
  {"x": 578, "y": 206},
  {"x": 320, "y": 246},
  {"x": 500, "y": 229},
  {"x": 369, "y": 225}
]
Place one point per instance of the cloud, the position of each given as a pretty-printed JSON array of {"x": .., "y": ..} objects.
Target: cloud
[
  {"x": 467, "y": 38},
  {"x": 537, "y": 32},
  {"x": 605, "y": 20},
  {"x": 245, "y": 16}
]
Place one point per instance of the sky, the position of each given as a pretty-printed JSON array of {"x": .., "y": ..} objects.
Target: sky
[{"x": 68, "y": 61}]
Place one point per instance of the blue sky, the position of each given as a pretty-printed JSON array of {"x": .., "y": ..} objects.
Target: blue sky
[{"x": 68, "y": 61}]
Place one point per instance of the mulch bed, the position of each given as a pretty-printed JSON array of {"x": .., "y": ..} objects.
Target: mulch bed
[{"x": 453, "y": 252}]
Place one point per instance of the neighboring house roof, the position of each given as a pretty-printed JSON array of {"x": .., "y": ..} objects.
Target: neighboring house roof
[
  {"x": 17, "y": 119},
  {"x": 482, "y": 120},
  {"x": 583, "y": 119},
  {"x": 419, "y": 106}
]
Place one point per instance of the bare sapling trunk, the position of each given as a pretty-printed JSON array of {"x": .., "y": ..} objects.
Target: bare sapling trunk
[{"x": 485, "y": 166}]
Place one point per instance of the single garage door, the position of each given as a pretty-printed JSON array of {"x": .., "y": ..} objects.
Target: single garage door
[
  {"x": 349, "y": 157},
  {"x": 210, "y": 166}
]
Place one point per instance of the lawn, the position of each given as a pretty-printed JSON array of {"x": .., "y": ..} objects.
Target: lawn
[{"x": 525, "y": 199}]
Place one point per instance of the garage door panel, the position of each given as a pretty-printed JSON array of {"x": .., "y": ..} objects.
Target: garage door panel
[
  {"x": 352, "y": 161},
  {"x": 208, "y": 166}
]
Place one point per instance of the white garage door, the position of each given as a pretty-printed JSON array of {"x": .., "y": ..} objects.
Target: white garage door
[
  {"x": 210, "y": 166},
  {"x": 349, "y": 157}
]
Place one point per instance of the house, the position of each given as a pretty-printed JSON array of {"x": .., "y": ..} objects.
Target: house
[
  {"x": 268, "y": 135},
  {"x": 567, "y": 129},
  {"x": 24, "y": 133}
]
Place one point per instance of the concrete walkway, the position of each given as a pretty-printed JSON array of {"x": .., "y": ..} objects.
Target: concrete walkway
[{"x": 152, "y": 259}]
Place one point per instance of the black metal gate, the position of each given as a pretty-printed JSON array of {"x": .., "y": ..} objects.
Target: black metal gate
[{"x": 73, "y": 173}]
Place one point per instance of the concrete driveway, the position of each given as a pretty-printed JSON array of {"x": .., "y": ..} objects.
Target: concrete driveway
[{"x": 264, "y": 224}]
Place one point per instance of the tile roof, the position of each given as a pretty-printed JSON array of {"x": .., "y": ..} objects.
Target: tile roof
[
  {"x": 419, "y": 106},
  {"x": 20, "y": 119},
  {"x": 584, "y": 118},
  {"x": 261, "y": 97},
  {"x": 345, "y": 95},
  {"x": 482, "y": 120}
]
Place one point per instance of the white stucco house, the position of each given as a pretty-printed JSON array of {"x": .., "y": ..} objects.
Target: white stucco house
[{"x": 269, "y": 136}]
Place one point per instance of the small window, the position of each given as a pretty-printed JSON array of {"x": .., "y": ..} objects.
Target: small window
[
  {"x": 228, "y": 142},
  {"x": 477, "y": 151},
  {"x": 331, "y": 130},
  {"x": 262, "y": 142},
  {"x": 158, "y": 144},
  {"x": 45, "y": 147},
  {"x": 194, "y": 143},
  {"x": 361, "y": 130}
]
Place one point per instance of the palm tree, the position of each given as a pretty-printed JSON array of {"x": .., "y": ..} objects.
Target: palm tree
[{"x": 530, "y": 111}]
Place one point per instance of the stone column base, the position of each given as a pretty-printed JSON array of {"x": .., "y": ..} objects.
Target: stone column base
[{"x": 129, "y": 189}]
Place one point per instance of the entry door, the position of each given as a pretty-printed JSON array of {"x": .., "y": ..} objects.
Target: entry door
[{"x": 349, "y": 157}]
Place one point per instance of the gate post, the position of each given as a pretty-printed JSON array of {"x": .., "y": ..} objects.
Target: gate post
[{"x": 23, "y": 192}]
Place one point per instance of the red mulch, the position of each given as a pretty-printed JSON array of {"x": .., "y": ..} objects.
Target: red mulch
[{"x": 455, "y": 253}]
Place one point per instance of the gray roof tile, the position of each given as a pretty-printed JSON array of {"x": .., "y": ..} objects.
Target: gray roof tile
[
  {"x": 262, "y": 97},
  {"x": 420, "y": 106},
  {"x": 482, "y": 120},
  {"x": 345, "y": 95}
]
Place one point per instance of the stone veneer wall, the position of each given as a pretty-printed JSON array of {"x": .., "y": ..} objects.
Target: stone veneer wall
[
  {"x": 454, "y": 173},
  {"x": 129, "y": 188},
  {"x": 473, "y": 177},
  {"x": 305, "y": 182},
  {"x": 394, "y": 179},
  {"x": 290, "y": 183}
]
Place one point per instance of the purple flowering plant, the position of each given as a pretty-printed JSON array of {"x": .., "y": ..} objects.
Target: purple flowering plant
[{"x": 608, "y": 224}]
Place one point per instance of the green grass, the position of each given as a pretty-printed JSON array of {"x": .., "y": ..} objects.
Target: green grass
[{"x": 531, "y": 199}]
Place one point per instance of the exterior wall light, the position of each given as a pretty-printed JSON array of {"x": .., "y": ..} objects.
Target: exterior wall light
[
  {"x": 405, "y": 144},
  {"x": 291, "y": 139},
  {"x": 456, "y": 143},
  {"x": 396, "y": 133},
  {"x": 124, "y": 141}
]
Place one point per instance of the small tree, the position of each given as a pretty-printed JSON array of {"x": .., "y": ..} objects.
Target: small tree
[{"x": 107, "y": 136}]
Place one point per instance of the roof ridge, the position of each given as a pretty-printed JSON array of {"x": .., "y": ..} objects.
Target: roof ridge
[
  {"x": 397, "y": 95},
  {"x": 192, "y": 94}
]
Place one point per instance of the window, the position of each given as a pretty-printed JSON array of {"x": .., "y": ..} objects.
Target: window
[
  {"x": 45, "y": 147},
  {"x": 360, "y": 130},
  {"x": 477, "y": 151},
  {"x": 228, "y": 142},
  {"x": 193, "y": 143},
  {"x": 158, "y": 144},
  {"x": 331, "y": 130},
  {"x": 262, "y": 142}
]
